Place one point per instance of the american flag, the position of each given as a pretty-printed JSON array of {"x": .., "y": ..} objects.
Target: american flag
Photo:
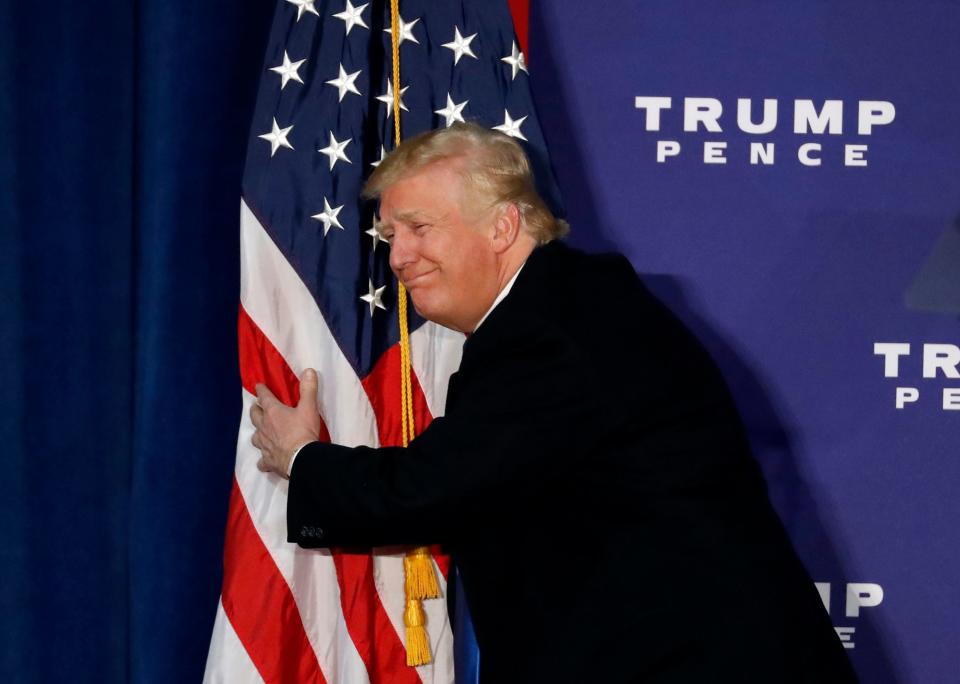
[{"x": 317, "y": 291}]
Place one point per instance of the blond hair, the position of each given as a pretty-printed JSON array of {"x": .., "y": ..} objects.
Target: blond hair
[{"x": 495, "y": 170}]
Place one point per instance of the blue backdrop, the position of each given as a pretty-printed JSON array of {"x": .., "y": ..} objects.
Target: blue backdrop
[
  {"x": 124, "y": 125},
  {"x": 792, "y": 273}
]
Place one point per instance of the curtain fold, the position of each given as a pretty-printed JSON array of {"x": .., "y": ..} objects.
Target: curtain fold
[{"x": 123, "y": 127}]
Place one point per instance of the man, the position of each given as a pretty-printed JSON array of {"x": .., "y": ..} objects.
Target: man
[{"x": 590, "y": 476}]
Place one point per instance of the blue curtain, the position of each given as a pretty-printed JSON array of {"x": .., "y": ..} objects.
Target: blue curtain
[{"x": 123, "y": 127}]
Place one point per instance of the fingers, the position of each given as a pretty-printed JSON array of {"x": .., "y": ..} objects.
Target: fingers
[
  {"x": 264, "y": 395},
  {"x": 256, "y": 416},
  {"x": 309, "y": 384}
]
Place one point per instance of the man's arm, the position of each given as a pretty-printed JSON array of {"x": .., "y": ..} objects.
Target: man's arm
[{"x": 514, "y": 423}]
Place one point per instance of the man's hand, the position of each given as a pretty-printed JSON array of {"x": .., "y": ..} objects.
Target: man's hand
[{"x": 280, "y": 429}]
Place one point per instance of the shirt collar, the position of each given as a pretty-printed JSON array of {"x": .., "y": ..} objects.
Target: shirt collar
[{"x": 500, "y": 296}]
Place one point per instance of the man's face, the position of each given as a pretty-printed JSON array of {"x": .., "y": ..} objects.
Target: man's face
[{"x": 443, "y": 257}]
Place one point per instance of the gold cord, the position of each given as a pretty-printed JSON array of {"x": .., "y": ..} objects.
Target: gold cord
[{"x": 420, "y": 579}]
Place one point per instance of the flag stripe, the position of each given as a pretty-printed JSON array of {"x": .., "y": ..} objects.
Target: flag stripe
[
  {"x": 371, "y": 630},
  {"x": 272, "y": 619},
  {"x": 260, "y": 360},
  {"x": 228, "y": 661}
]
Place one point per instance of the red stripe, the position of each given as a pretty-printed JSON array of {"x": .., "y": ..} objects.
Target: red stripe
[
  {"x": 367, "y": 622},
  {"x": 370, "y": 627},
  {"x": 259, "y": 604},
  {"x": 520, "y": 9},
  {"x": 260, "y": 362}
]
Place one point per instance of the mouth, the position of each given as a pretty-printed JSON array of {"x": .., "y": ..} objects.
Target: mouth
[{"x": 417, "y": 279}]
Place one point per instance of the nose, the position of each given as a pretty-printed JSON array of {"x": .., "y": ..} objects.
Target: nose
[{"x": 402, "y": 252}]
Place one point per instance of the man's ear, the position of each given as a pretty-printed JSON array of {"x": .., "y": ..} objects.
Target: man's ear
[{"x": 506, "y": 227}]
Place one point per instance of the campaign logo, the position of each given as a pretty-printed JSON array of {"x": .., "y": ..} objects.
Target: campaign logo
[
  {"x": 937, "y": 361},
  {"x": 824, "y": 120},
  {"x": 856, "y": 596}
]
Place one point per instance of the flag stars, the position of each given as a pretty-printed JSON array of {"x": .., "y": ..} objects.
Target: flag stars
[
  {"x": 511, "y": 127},
  {"x": 516, "y": 61},
  {"x": 328, "y": 217},
  {"x": 453, "y": 111},
  {"x": 334, "y": 150},
  {"x": 277, "y": 137},
  {"x": 288, "y": 70},
  {"x": 352, "y": 16},
  {"x": 460, "y": 45},
  {"x": 344, "y": 83},
  {"x": 406, "y": 31},
  {"x": 374, "y": 234},
  {"x": 304, "y": 6},
  {"x": 373, "y": 297},
  {"x": 383, "y": 155},
  {"x": 387, "y": 98}
]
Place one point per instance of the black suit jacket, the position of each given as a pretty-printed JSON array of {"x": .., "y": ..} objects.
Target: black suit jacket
[{"x": 593, "y": 483}]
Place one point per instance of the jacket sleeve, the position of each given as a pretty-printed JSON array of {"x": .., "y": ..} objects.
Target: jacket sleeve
[{"x": 513, "y": 422}]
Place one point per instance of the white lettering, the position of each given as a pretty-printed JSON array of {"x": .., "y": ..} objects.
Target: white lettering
[
  {"x": 906, "y": 395},
  {"x": 945, "y": 357},
  {"x": 862, "y": 595},
  {"x": 701, "y": 110},
  {"x": 853, "y": 155},
  {"x": 761, "y": 153},
  {"x": 951, "y": 399},
  {"x": 745, "y": 122},
  {"x": 874, "y": 113},
  {"x": 891, "y": 352},
  {"x": 653, "y": 105},
  {"x": 667, "y": 148},
  {"x": 845, "y": 633},
  {"x": 824, "y": 589},
  {"x": 805, "y": 117},
  {"x": 713, "y": 153},
  {"x": 803, "y": 154}
]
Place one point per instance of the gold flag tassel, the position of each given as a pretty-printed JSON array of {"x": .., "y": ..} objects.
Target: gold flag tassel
[{"x": 420, "y": 578}]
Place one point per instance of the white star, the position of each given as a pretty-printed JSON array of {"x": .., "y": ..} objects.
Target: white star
[
  {"x": 288, "y": 70},
  {"x": 511, "y": 127},
  {"x": 452, "y": 112},
  {"x": 373, "y": 297},
  {"x": 383, "y": 155},
  {"x": 460, "y": 45},
  {"x": 335, "y": 150},
  {"x": 406, "y": 31},
  {"x": 374, "y": 233},
  {"x": 516, "y": 61},
  {"x": 345, "y": 82},
  {"x": 304, "y": 6},
  {"x": 277, "y": 137},
  {"x": 328, "y": 217},
  {"x": 352, "y": 16},
  {"x": 388, "y": 98}
]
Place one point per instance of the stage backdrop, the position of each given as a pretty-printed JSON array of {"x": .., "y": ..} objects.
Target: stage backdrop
[{"x": 786, "y": 176}]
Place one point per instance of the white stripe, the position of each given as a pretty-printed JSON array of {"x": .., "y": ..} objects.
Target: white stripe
[
  {"x": 435, "y": 354},
  {"x": 282, "y": 307},
  {"x": 310, "y": 573},
  {"x": 227, "y": 659}
]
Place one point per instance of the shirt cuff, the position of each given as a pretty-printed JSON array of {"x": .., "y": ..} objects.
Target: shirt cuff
[{"x": 294, "y": 457}]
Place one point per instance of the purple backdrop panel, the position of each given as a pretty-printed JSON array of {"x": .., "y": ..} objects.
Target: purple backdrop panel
[{"x": 787, "y": 178}]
